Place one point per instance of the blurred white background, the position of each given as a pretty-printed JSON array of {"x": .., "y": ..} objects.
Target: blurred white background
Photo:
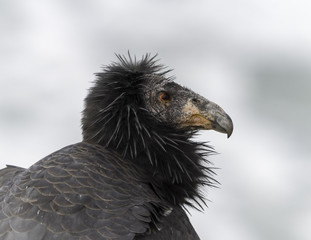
[{"x": 252, "y": 57}]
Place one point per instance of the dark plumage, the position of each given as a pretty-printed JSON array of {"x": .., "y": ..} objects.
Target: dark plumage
[{"x": 133, "y": 173}]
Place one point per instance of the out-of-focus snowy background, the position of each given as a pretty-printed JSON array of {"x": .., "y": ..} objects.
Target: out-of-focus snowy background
[{"x": 252, "y": 57}]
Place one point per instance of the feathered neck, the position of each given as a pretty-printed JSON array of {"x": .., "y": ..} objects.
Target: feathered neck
[{"x": 116, "y": 118}]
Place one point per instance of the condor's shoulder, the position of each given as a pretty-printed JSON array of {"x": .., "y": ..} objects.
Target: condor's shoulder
[
  {"x": 86, "y": 160},
  {"x": 90, "y": 167},
  {"x": 82, "y": 191}
]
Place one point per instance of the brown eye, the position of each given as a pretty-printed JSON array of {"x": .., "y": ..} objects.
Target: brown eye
[{"x": 164, "y": 96}]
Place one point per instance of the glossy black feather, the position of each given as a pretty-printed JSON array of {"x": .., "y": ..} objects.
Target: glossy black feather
[{"x": 78, "y": 192}]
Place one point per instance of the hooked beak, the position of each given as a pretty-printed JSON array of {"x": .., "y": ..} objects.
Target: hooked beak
[{"x": 199, "y": 113}]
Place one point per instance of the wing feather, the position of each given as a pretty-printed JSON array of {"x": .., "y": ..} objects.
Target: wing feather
[{"x": 79, "y": 192}]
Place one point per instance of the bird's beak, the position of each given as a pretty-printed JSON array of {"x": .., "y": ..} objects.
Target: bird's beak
[{"x": 200, "y": 113}]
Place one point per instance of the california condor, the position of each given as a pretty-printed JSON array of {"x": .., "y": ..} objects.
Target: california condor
[{"x": 133, "y": 174}]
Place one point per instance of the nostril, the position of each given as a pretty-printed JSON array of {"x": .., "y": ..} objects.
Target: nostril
[{"x": 194, "y": 100}]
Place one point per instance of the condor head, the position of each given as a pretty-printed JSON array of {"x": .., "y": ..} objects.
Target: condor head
[{"x": 173, "y": 103}]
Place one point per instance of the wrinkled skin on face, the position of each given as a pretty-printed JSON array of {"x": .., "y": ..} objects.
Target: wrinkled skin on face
[{"x": 172, "y": 103}]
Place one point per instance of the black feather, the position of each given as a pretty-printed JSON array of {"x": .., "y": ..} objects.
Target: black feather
[{"x": 116, "y": 117}]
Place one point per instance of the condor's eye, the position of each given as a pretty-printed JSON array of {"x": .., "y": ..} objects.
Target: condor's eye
[{"x": 164, "y": 96}]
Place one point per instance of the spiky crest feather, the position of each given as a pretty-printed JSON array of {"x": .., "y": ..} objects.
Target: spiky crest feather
[{"x": 115, "y": 117}]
